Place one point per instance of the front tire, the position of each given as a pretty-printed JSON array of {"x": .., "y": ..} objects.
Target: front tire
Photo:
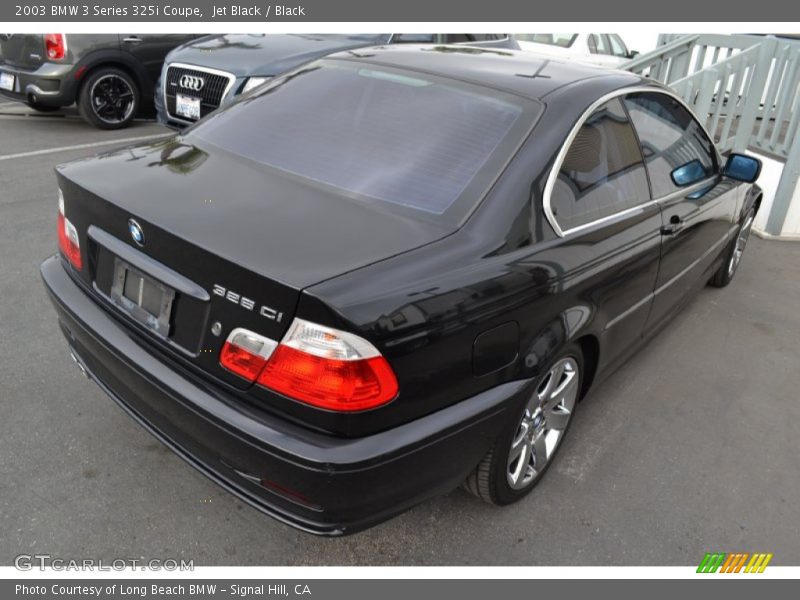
[
  {"x": 526, "y": 449},
  {"x": 109, "y": 98},
  {"x": 733, "y": 256}
]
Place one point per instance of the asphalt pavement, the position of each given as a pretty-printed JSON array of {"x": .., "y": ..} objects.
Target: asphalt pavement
[{"x": 692, "y": 446}]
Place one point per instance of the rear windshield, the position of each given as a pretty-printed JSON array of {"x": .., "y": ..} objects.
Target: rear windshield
[{"x": 413, "y": 141}]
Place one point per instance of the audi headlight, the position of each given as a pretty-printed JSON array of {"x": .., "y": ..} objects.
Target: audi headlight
[{"x": 254, "y": 82}]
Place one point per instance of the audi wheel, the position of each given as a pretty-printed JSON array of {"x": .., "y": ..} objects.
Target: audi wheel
[
  {"x": 521, "y": 455},
  {"x": 109, "y": 98}
]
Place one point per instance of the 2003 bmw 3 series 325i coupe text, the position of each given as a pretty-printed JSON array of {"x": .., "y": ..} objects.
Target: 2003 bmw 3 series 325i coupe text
[{"x": 391, "y": 272}]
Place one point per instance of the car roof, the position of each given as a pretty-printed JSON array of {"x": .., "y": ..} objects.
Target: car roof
[{"x": 526, "y": 74}]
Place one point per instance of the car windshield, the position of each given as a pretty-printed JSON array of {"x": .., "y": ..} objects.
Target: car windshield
[
  {"x": 414, "y": 141},
  {"x": 562, "y": 40}
]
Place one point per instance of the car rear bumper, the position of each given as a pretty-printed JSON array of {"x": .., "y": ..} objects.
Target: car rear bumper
[
  {"x": 318, "y": 483},
  {"x": 51, "y": 84}
]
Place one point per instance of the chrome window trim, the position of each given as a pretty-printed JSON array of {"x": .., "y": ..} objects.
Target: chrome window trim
[
  {"x": 562, "y": 153},
  {"x": 229, "y": 76}
]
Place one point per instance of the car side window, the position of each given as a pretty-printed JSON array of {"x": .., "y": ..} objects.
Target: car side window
[
  {"x": 602, "y": 173},
  {"x": 672, "y": 140},
  {"x": 618, "y": 47},
  {"x": 598, "y": 43}
]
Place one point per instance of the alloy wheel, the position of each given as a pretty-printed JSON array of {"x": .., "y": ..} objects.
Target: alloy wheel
[
  {"x": 741, "y": 242},
  {"x": 543, "y": 424},
  {"x": 112, "y": 99}
]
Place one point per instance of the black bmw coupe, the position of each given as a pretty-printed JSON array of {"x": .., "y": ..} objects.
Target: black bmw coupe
[{"x": 392, "y": 271}]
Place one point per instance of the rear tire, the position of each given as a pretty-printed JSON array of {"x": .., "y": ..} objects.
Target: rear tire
[
  {"x": 733, "y": 256},
  {"x": 109, "y": 98},
  {"x": 524, "y": 451}
]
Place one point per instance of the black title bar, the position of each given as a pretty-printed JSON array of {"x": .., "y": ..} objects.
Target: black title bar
[{"x": 198, "y": 11}]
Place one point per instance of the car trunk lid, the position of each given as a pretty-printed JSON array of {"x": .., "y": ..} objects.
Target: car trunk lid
[{"x": 235, "y": 241}]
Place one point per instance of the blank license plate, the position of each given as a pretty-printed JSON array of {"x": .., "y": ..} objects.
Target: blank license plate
[
  {"x": 6, "y": 81},
  {"x": 186, "y": 106},
  {"x": 145, "y": 299}
]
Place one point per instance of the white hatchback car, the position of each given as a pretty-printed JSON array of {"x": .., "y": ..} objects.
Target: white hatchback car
[{"x": 604, "y": 49}]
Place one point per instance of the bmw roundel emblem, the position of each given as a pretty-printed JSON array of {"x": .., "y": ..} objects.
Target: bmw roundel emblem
[{"x": 136, "y": 232}]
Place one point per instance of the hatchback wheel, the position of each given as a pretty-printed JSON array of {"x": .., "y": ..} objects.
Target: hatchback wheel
[
  {"x": 109, "y": 99},
  {"x": 735, "y": 251},
  {"x": 521, "y": 455}
]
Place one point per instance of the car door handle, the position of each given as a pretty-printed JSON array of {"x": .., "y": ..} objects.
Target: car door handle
[
  {"x": 132, "y": 40},
  {"x": 674, "y": 226}
]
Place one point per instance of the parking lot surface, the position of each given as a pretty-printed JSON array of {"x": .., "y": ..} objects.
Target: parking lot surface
[{"x": 691, "y": 447}]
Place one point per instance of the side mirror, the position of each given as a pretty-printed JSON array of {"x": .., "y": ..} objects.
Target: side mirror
[
  {"x": 742, "y": 168},
  {"x": 633, "y": 54},
  {"x": 687, "y": 174}
]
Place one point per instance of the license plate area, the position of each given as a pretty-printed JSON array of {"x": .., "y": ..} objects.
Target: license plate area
[
  {"x": 188, "y": 107},
  {"x": 142, "y": 297},
  {"x": 6, "y": 81}
]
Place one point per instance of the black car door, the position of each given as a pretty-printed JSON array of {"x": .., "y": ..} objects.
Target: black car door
[{"x": 697, "y": 204}]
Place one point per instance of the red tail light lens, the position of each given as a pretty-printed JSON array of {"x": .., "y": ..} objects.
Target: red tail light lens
[
  {"x": 343, "y": 385},
  {"x": 68, "y": 241},
  {"x": 314, "y": 364},
  {"x": 55, "y": 44},
  {"x": 329, "y": 368},
  {"x": 245, "y": 353}
]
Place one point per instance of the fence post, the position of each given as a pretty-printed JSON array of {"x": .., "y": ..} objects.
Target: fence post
[
  {"x": 755, "y": 91},
  {"x": 786, "y": 190},
  {"x": 680, "y": 65},
  {"x": 705, "y": 95}
]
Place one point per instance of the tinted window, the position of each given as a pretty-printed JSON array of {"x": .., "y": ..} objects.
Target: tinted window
[
  {"x": 602, "y": 173},
  {"x": 377, "y": 134},
  {"x": 670, "y": 138},
  {"x": 458, "y": 38},
  {"x": 413, "y": 38},
  {"x": 562, "y": 40}
]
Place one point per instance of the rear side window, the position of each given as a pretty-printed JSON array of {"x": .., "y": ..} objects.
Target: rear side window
[
  {"x": 671, "y": 138},
  {"x": 602, "y": 173},
  {"x": 378, "y": 134}
]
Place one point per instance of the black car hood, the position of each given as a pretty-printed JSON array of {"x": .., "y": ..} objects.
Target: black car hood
[
  {"x": 272, "y": 224},
  {"x": 266, "y": 54}
]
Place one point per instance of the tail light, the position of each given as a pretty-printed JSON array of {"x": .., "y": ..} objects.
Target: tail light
[
  {"x": 55, "y": 44},
  {"x": 68, "y": 241},
  {"x": 245, "y": 353},
  {"x": 317, "y": 365}
]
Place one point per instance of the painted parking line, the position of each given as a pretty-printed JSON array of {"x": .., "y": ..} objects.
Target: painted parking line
[{"x": 141, "y": 138}]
